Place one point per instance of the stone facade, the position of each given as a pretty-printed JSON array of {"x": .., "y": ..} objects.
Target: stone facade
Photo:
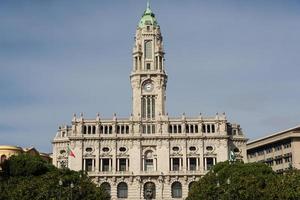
[{"x": 149, "y": 155}]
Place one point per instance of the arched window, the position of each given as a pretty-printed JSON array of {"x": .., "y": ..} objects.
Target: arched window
[
  {"x": 148, "y": 161},
  {"x": 191, "y": 185},
  {"x": 176, "y": 190},
  {"x": 122, "y": 190},
  {"x": 106, "y": 187},
  {"x": 149, "y": 190}
]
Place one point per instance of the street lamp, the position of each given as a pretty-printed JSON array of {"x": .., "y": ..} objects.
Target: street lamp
[
  {"x": 228, "y": 183},
  {"x": 71, "y": 186},
  {"x": 60, "y": 183}
]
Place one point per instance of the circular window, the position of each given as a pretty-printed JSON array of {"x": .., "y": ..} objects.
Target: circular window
[
  {"x": 175, "y": 148},
  {"x": 236, "y": 150},
  {"x": 89, "y": 149},
  {"x": 105, "y": 149},
  {"x": 122, "y": 149},
  {"x": 62, "y": 151},
  {"x": 192, "y": 148},
  {"x": 209, "y": 148}
]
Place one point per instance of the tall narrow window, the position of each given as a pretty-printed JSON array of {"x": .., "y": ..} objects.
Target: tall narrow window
[
  {"x": 148, "y": 49},
  {"x": 153, "y": 128},
  {"x": 212, "y": 128},
  {"x": 148, "y": 107},
  {"x": 148, "y": 161},
  {"x": 153, "y": 107},
  {"x": 203, "y": 128},
  {"x": 105, "y": 164},
  {"x": 143, "y": 107},
  {"x": 175, "y": 164},
  {"x": 208, "y": 128},
  {"x": 209, "y": 163},
  {"x": 88, "y": 165},
  {"x": 122, "y": 164},
  {"x": 192, "y": 164}
]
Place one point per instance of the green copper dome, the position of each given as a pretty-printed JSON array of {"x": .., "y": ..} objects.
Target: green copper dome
[{"x": 148, "y": 18}]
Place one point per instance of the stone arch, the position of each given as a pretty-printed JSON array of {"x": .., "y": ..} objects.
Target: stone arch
[{"x": 149, "y": 190}]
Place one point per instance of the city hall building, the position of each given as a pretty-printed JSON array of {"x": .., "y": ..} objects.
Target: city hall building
[{"x": 149, "y": 155}]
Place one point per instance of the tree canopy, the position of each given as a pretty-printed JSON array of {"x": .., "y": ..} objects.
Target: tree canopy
[
  {"x": 31, "y": 178},
  {"x": 250, "y": 181}
]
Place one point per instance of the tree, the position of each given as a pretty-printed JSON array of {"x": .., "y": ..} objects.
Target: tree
[
  {"x": 30, "y": 178},
  {"x": 235, "y": 181}
]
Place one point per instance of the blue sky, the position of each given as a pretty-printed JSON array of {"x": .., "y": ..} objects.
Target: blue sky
[{"x": 62, "y": 57}]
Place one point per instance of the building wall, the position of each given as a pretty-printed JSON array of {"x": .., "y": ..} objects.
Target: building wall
[
  {"x": 164, "y": 147},
  {"x": 280, "y": 150}
]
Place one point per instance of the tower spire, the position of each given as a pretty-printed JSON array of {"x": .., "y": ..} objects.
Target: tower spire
[{"x": 148, "y": 4}]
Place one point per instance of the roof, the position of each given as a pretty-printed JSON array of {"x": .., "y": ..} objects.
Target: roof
[
  {"x": 9, "y": 147},
  {"x": 148, "y": 18},
  {"x": 277, "y": 134}
]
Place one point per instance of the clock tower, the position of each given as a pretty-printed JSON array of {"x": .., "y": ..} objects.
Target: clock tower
[{"x": 148, "y": 77}]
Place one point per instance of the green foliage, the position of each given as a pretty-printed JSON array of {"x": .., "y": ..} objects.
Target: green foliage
[
  {"x": 251, "y": 181},
  {"x": 30, "y": 178},
  {"x": 25, "y": 165}
]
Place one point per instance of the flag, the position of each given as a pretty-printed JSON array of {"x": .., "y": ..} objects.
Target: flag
[
  {"x": 232, "y": 156},
  {"x": 70, "y": 152}
]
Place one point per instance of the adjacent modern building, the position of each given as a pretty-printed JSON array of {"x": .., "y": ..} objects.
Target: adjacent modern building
[
  {"x": 279, "y": 150},
  {"x": 148, "y": 155}
]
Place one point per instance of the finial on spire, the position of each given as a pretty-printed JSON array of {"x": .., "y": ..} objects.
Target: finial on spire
[{"x": 148, "y": 4}]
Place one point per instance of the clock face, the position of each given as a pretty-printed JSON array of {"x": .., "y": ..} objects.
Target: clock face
[{"x": 148, "y": 87}]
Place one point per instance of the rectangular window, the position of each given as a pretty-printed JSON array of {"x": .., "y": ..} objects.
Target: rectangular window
[
  {"x": 148, "y": 107},
  {"x": 209, "y": 163},
  {"x": 144, "y": 128},
  {"x": 278, "y": 147},
  {"x": 153, "y": 129},
  {"x": 148, "y": 164},
  {"x": 175, "y": 164},
  {"x": 89, "y": 165},
  {"x": 260, "y": 152},
  {"x": 148, "y": 129},
  {"x": 193, "y": 164},
  {"x": 105, "y": 165},
  {"x": 148, "y": 66},
  {"x": 122, "y": 164},
  {"x": 143, "y": 107},
  {"x": 269, "y": 150},
  {"x": 153, "y": 107}
]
